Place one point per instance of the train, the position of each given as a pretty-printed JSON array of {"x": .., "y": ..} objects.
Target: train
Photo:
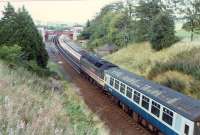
[{"x": 159, "y": 108}]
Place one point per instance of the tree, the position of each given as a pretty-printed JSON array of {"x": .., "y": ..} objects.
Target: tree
[
  {"x": 145, "y": 13},
  {"x": 189, "y": 11},
  {"x": 19, "y": 28},
  {"x": 192, "y": 16},
  {"x": 112, "y": 25},
  {"x": 119, "y": 29},
  {"x": 88, "y": 24},
  {"x": 29, "y": 39},
  {"x": 9, "y": 12},
  {"x": 162, "y": 31},
  {"x": 8, "y": 25}
]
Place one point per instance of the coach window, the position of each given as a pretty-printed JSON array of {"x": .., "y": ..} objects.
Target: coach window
[
  {"x": 122, "y": 88},
  {"x": 111, "y": 81},
  {"x": 186, "y": 131},
  {"x": 116, "y": 85},
  {"x": 129, "y": 92},
  {"x": 155, "y": 109},
  {"x": 167, "y": 116},
  {"x": 145, "y": 102},
  {"x": 136, "y": 97}
]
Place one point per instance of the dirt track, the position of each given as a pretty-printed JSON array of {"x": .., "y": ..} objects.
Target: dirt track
[{"x": 118, "y": 122}]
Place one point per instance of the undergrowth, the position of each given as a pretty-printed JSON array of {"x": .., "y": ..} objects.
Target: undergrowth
[
  {"x": 13, "y": 56},
  {"x": 33, "y": 105},
  {"x": 177, "y": 67}
]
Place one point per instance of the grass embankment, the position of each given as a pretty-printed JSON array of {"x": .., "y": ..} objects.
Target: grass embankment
[
  {"x": 177, "y": 67},
  {"x": 33, "y": 105}
]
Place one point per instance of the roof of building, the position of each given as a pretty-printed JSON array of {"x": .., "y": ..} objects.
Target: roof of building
[{"x": 179, "y": 103}]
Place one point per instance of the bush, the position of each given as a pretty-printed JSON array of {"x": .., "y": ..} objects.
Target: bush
[
  {"x": 162, "y": 32},
  {"x": 10, "y": 53},
  {"x": 187, "y": 62},
  {"x": 13, "y": 56}
]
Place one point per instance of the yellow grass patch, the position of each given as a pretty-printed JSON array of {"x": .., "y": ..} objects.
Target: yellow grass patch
[{"x": 140, "y": 58}]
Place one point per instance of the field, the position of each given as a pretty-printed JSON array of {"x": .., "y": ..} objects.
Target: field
[
  {"x": 176, "y": 67},
  {"x": 33, "y": 105}
]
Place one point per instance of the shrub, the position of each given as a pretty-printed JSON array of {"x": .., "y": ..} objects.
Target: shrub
[
  {"x": 187, "y": 62},
  {"x": 10, "y": 53},
  {"x": 162, "y": 32}
]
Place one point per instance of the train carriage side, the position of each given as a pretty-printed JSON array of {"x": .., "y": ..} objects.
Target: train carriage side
[
  {"x": 169, "y": 111},
  {"x": 73, "y": 54}
]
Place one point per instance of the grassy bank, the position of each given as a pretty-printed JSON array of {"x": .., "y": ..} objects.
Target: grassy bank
[
  {"x": 32, "y": 105},
  {"x": 176, "y": 67}
]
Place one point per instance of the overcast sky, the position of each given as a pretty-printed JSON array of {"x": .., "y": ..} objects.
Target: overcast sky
[{"x": 60, "y": 11}]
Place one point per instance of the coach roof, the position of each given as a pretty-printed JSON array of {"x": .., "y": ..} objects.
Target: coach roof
[{"x": 179, "y": 103}]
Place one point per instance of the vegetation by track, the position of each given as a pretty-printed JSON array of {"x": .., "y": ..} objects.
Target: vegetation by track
[
  {"x": 176, "y": 67},
  {"x": 33, "y": 105}
]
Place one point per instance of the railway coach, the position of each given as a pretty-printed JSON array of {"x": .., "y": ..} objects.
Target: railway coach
[
  {"x": 169, "y": 111},
  {"x": 71, "y": 52}
]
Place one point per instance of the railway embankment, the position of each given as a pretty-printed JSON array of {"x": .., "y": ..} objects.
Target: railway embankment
[
  {"x": 30, "y": 104},
  {"x": 176, "y": 67}
]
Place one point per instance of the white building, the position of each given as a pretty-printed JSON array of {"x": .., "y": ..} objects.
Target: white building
[{"x": 76, "y": 31}]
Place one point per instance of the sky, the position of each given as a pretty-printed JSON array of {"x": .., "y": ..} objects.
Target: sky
[{"x": 59, "y": 11}]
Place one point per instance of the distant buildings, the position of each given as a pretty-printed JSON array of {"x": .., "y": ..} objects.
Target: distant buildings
[
  {"x": 70, "y": 32},
  {"x": 77, "y": 29}
]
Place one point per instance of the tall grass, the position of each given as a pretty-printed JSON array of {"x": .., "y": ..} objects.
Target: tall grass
[
  {"x": 32, "y": 105},
  {"x": 177, "y": 67},
  {"x": 140, "y": 58},
  {"x": 187, "y": 62},
  {"x": 179, "y": 81}
]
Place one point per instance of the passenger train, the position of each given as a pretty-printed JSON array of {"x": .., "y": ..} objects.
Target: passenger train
[{"x": 161, "y": 109}]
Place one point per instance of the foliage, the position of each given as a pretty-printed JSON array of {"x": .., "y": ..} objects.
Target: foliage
[
  {"x": 190, "y": 10},
  {"x": 122, "y": 24},
  {"x": 112, "y": 25},
  {"x": 10, "y": 53},
  {"x": 187, "y": 62},
  {"x": 118, "y": 31},
  {"x": 145, "y": 13},
  {"x": 8, "y": 25},
  {"x": 179, "y": 81},
  {"x": 150, "y": 64},
  {"x": 33, "y": 105},
  {"x": 162, "y": 32},
  {"x": 18, "y": 28}
]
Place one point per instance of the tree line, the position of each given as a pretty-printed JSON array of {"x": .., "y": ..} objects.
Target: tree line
[
  {"x": 142, "y": 20},
  {"x": 17, "y": 30}
]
